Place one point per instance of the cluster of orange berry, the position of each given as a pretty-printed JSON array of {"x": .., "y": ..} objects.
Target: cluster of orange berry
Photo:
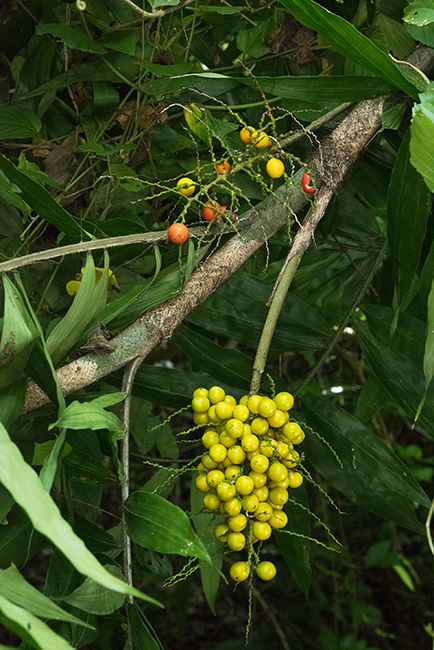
[{"x": 248, "y": 467}]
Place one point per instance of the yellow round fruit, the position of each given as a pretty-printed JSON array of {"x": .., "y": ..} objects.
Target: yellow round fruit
[
  {"x": 261, "y": 140},
  {"x": 244, "y": 485},
  {"x": 275, "y": 168},
  {"x": 211, "y": 501},
  {"x": 284, "y": 401},
  {"x": 186, "y": 186},
  {"x": 246, "y": 134},
  {"x": 265, "y": 570},
  {"x": 295, "y": 479},
  {"x": 236, "y": 541},
  {"x": 239, "y": 571},
  {"x": 221, "y": 532},
  {"x": 261, "y": 530},
  {"x": 216, "y": 394}
]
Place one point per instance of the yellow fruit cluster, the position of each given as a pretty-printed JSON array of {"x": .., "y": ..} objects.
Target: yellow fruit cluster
[{"x": 249, "y": 464}]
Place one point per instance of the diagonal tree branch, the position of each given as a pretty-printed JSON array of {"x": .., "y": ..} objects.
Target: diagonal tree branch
[{"x": 329, "y": 164}]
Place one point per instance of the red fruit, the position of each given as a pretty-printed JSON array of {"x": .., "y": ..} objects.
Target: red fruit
[
  {"x": 305, "y": 182},
  {"x": 212, "y": 211},
  {"x": 177, "y": 233}
]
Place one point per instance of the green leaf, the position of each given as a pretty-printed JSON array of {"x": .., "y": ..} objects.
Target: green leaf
[
  {"x": 422, "y": 138},
  {"x": 398, "y": 364},
  {"x": 174, "y": 387},
  {"x": 24, "y": 485},
  {"x": 205, "y": 523},
  {"x": 428, "y": 357},
  {"x": 72, "y": 37},
  {"x": 16, "y": 589},
  {"x": 19, "y": 541},
  {"x": 200, "y": 122},
  {"x": 371, "y": 474},
  {"x": 88, "y": 304},
  {"x": 88, "y": 415},
  {"x": 254, "y": 42},
  {"x": 419, "y": 12},
  {"x": 96, "y": 599},
  {"x": 398, "y": 39},
  {"x": 408, "y": 209},
  {"x": 324, "y": 89},
  {"x": 41, "y": 200},
  {"x": 295, "y": 550},
  {"x": 29, "y": 628},
  {"x": 17, "y": 337},
  {"x": 12, "y": 400},
  {"x": 142, "y": 635},
  {"x": 157, "y": 524},
  {"x": 349, "y": 42},
  {"x": 238, "y": 309},
  {"x": 226, "y": 365},
  {"x": 18, "y": 122}
]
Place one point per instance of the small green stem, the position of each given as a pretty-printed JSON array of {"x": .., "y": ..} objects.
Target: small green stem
[{"x": 270, "y": 322}]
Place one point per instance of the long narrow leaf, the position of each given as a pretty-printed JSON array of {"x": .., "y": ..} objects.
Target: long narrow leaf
[
  {"x": 349, "y": 42},
  {"x": 29, "y": 628},
  {"x": 24, "y": 485},
  {"x": 14, "y": 587},
  {"x": 40, "y": 199}
]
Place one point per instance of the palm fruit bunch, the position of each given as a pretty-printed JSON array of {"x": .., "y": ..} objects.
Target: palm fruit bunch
[{"x": 249, "y": 464}]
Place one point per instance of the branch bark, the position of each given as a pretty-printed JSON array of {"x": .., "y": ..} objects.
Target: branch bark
[{"x": 329, "y": 165}]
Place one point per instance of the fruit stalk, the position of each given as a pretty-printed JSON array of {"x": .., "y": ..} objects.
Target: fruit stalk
[{"x": 271, "y": 320}]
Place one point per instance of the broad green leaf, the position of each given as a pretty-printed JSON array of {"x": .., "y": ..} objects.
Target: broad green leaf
[
  {"x": 348, "y": 88},
  {"x": 226, "y": 365},
  {"x": 294, "y": 549},
  {"x": 72, "y": 37},
  {"x": 96, "y": 538},
  {"x": 200, "y": 122},
  {"x": 17, "y": 336},
  {"x": 142, "y": 634},
  {"x": 24, "y": 485},
  {"x": 88, "y": 304},
  {"x": 349, "y": 42},
  {"x": 174, "y": 387},
  {"x": 122, "y": 41},
  {"x": 157, "y": 524},
  {"x": 205, "y": 523},
  {"x": 419, "y": 12},
  {"x": 16, "y": 589},
  {"x": 96, "y": 599},
  {"x": 84, "y": 468},
  {"x": 408, "y": 209},
  {"x": 40, "y": 366},
  {"x": 428, "y": 357},
  {"x": 422, "y": 139},
  {"x": 29, "y": 628},
  {"x": 41, "y": 200},
  {"x": 12, "y": 400},
  {"x": 427, "y": 276},
  {"x": 238, "y": 309},
  {"x": 398, "y": 39},
  {"x": 19, "y": 541},
  {"x": 18, "y": 122},
  {"x": 88, "y": 415},
  {"x": 371, "y": 399},
  {"x": 371, "y": 475},
  {"x": 254, "y": 42},
  {"x": 149, "y": 293},
  {"x": 398, "y": 365}
]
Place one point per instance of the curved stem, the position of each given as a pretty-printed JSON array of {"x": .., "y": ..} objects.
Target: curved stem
[{"x": 270, "y": 322}]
